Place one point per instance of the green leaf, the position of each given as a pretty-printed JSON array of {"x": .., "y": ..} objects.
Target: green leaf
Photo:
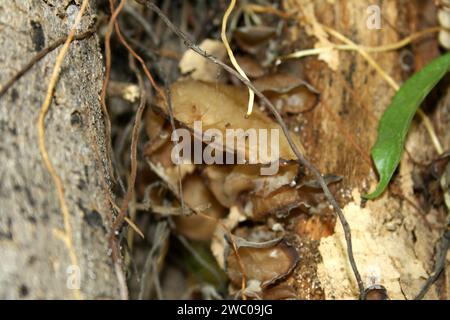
[{"x": 395, "y": 123}]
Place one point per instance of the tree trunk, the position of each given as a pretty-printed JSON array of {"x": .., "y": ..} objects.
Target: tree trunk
[
  {"x": 393, "y": 241},
  {"x": 34, "y": 262}
]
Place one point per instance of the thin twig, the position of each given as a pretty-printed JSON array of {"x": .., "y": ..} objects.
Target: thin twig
[
  {"x": 172, "y": 123},
  {"x": 119, "y": 218},
  {"x": 66, "y": 236},
  {"x": 134, "y": 143},
  {"x": 279, "y": 119},
  {"x": 134, "y": 227},
  {"x": 108, "y": 61},
  {"x": 114, "y": 245},
  {"x": 134, "y": 140}
]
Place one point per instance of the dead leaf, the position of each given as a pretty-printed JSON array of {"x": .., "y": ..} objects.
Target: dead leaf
[
  {"x": 252, "y": 38},
  {"x": 266, "y": 263},
  {"x": 289, "y": 94},
  {"x": 218, "y": 244},
  {"x": 228, "y": 183},
  {"x": 196, "y": 195},
  {"x": 156, "y": 131},
  {"x": 281, "y": 83},
  {"x": 221, "y": 107},
  {"x": 278, "y": 203},
  {"x": 215, "y": 176},
  {"x": 250, "y": 66},
  {"x": 161, "y": 164},
  {"x": 282, "y": 291}
]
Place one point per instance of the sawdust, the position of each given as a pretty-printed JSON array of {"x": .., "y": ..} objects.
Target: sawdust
[{"x": 385, "y": 255}]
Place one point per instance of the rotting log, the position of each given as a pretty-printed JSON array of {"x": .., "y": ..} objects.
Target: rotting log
[
  {"x": 34, "y": 262},
  {"x": 393, "y": 240}
]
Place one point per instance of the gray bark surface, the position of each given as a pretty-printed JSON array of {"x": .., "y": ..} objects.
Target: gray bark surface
[{"x": 33, "y": 262}]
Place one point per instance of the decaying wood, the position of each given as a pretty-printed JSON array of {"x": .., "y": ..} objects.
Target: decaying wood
[
  {"x": 393, "y": 242},
  {"x": 34, "y": 263}
]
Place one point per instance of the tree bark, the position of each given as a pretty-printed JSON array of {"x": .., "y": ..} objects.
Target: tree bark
[
  {"x": 394, "y": 243},
  {"x": 34, "y": 263}
]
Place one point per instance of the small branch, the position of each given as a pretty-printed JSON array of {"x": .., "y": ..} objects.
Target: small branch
[
  {"x": 134, "y": 143},
  {"x": 108, "y": 61},
  {"x": 301, "y": 159}
]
